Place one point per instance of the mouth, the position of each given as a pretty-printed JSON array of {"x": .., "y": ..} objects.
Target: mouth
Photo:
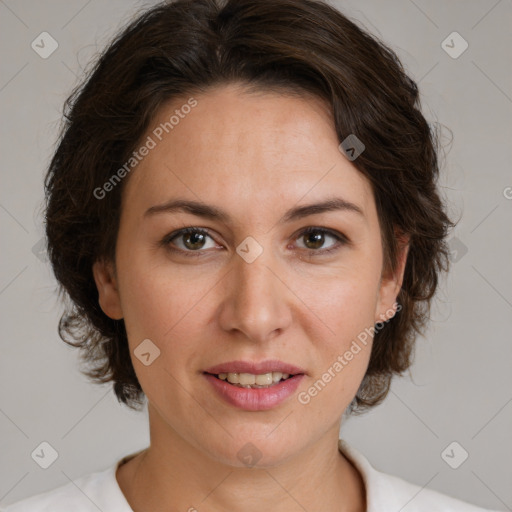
[
  {"x": 254, "y": 375},
  {"x": 253, "y": 381},
  {"x": 254, "y": 391}
]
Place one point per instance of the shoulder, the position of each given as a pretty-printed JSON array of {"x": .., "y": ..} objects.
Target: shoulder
[
  {"x": 92, "y": 492},
  {"x": 386, "y": 492},
  {"x": 59, "y": 499},
  {"x": 414, "y": 498}
]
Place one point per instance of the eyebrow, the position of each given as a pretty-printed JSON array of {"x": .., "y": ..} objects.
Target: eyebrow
[{"x": 214, "y": 213}]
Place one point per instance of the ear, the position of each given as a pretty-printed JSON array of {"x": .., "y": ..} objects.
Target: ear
[
  {"x": 108, "y": 293},
  {"x": 391, "y": 283}
]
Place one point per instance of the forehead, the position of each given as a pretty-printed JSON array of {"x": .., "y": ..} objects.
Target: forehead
[{"x": 248, "y": 149}]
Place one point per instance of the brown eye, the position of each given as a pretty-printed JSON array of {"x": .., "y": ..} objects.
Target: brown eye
[
  {"x": 187, "y": 240},
  {"x": 194, "y": 240},
  {"x": 315, "y": 238}
]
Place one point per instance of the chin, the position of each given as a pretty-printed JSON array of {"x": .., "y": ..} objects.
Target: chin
[{"x": 254, "y": 451}]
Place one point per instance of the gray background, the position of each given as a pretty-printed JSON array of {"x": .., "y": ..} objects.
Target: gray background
[{"x": 460, "y": 387}]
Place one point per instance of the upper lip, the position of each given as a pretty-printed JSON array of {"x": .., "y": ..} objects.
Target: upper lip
[{"x": 267, "y": 366}]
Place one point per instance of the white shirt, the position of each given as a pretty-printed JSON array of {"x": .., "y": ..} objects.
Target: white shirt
[{"x": 100, "y": 491}]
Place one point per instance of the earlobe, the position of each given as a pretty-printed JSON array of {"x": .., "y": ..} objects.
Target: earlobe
[{"x": 108, "y": 293}]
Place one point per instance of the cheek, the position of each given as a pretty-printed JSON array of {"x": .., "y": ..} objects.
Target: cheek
[
  {"x": 157, "y": 303},
  {"x": 345, "y": 308},
  {"x": 165, "y": 309},
  {"x": 344, "y": 301}
]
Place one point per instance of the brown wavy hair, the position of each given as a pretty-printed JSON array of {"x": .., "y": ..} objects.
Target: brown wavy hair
[{"x": 295, "y": 46}]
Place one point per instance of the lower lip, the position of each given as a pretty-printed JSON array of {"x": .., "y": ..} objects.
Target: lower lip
[{"x": 257, "y": 399}]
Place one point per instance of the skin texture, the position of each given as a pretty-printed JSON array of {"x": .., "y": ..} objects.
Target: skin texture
[{"x": 255, "y": 155}]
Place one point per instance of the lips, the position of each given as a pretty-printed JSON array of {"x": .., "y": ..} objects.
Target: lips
[
  {"x": 249, "y": 399},
  {"x": 255, "y": 368}
]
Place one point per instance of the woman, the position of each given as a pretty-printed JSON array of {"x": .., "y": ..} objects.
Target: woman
[{"x": 243, "y": 210}]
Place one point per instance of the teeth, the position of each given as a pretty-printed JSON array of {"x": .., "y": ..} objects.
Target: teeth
[
  {"x": 277, "y": 376},
  {"x": 249, "y": 379}
]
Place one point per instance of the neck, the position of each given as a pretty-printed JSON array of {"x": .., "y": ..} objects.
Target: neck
[{"x": 172, "y": 474}]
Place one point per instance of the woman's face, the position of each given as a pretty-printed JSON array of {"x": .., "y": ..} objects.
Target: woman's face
[{"x": 255, "y": 287}]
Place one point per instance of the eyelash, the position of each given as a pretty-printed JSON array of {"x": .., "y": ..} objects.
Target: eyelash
[{"x": 341, "y": 240}]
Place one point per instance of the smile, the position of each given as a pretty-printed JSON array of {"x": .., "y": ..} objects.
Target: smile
[{"x": 254, "y": 397}]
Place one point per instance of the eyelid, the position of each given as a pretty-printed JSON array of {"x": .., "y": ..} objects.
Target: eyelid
[
  {"x": 165, "y": 242},
  {"x": 340, "y": 238}
]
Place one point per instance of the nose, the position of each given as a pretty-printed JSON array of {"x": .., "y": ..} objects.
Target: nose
[{"x": 257, "y": 301}]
